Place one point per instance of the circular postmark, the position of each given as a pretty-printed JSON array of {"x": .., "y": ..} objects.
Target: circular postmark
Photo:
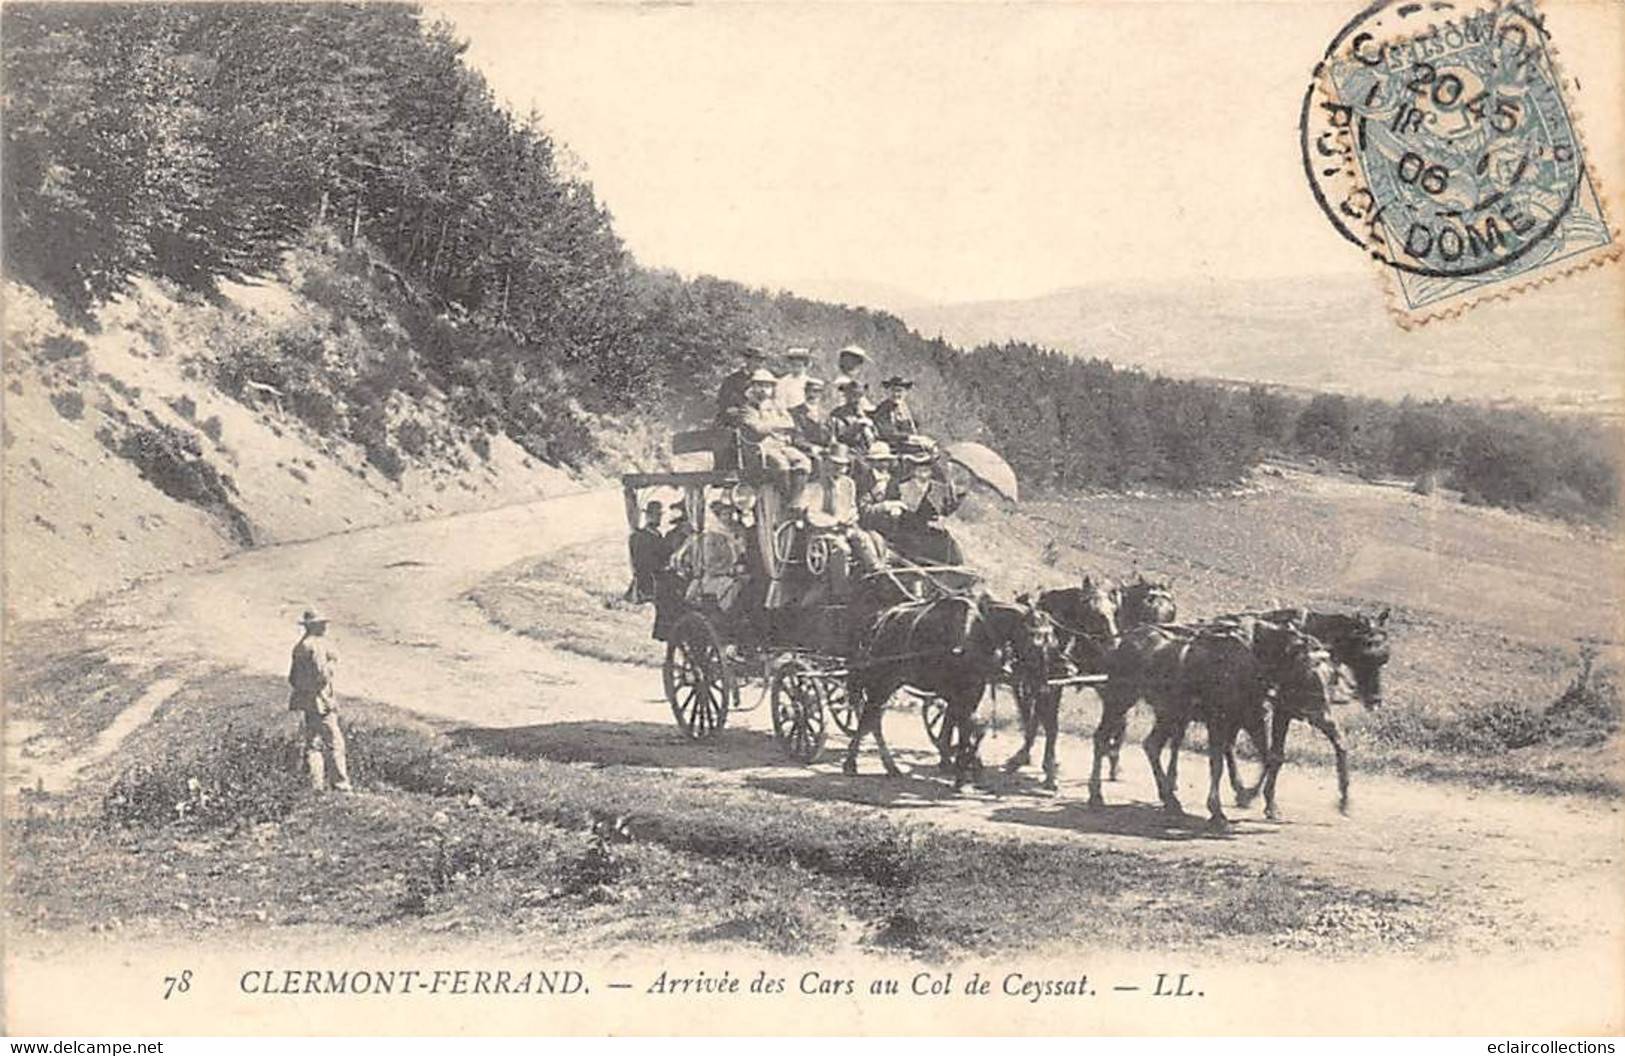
[{"x": 1436, "y": 138}]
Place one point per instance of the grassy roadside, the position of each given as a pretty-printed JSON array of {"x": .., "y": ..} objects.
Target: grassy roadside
[{"x": 202, "y": 826}]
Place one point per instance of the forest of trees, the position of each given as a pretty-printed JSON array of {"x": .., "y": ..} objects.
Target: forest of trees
[{"x": 199, "y": 142}]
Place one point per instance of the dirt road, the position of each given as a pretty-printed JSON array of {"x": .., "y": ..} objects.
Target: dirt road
[{"x": 409, "y": 638}]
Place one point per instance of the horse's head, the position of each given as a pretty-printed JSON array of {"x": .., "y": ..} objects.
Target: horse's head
[
  {"x": 1148, "y": 601},
  {"x": 1362, "y": 647},
  {"x": 1096, "y": 613},
  {"x": 1026, "y": 635},
  {"x": 1358, "y": 642}
]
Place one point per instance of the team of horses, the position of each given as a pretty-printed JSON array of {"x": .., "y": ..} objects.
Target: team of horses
[{"x": 1252, "y": 671}]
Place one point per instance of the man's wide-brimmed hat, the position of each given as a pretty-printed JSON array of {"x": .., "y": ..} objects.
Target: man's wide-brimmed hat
[
  {"x": 813, "y": 384},
  {"x": 879, "y": 451},
  {"x": 853, "y": 352},
  {"x": 897, "y": 381},
  {"x": 763, "y": 376},
  {"x": 803, "y": 354},
  {"x": 839, "y": 453},
  {"x": 312, "y": 616},
  {"x": 753, "y": 352}
]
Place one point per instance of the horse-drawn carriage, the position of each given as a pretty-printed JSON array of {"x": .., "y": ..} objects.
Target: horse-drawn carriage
[
  {"x": 755, "y": 592},
  {"x": 752, "y": 592}
]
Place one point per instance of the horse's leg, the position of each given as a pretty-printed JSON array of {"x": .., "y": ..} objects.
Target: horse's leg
[
  {"x": 1280, "y": 723},
  {"x": 1112, "y": 711},
  {"x": 886, "y": 759},
  {"x": 1051, "y": 708},
  {"x": 965, "y": 750},
  {"x": 1221, "y": 735},
  {"x": 865, "y": 706},
  {"x": 945, "y": 737},
  {"x": 1325, "y": 725},
  {"x": 1255, "y": 733},
  {"x": 1175, "y": 743},
  {"x": 1029, "y": 733},
  {"x": 1161, "y": 731}
]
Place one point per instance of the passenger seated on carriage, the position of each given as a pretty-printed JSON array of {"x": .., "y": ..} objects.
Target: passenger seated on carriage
[
  {"x": 850, "y": 362},
  {"x": 677, "y": 534},
  {"x": 767, "y": 429},
  {"x": 926, "y": 496},
  {"x": 878, "y": 510},
  {"x": 850, "y": 422},
  {"x": 671, "y": 582},
  {"x": 813, "y": 432},
  {"x": 711, "y": 563},
  {"x": 793, "y": 386},
  {"x": 894, "y": 419},
  {"x": 732, "y": 396},
  {"x": 833, "y": 511}
]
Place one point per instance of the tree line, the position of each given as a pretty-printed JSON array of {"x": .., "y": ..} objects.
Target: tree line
[{"x": 200, "y": 142}]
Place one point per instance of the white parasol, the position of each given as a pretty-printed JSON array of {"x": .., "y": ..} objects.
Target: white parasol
[{"x": 984, "y": 464}]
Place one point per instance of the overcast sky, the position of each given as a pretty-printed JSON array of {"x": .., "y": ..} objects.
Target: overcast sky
[{"x": 952, "y": 151}]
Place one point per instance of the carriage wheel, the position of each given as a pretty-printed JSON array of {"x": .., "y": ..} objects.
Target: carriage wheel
[
  {"x": 700, "y": 686},
  {"x": 840, "y": 705},
  {"x": 798, "y": 711},
  {"x": 933, "y": 713}
]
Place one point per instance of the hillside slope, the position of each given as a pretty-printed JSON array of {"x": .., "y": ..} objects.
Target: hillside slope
[{"x": 122, "y": 458}]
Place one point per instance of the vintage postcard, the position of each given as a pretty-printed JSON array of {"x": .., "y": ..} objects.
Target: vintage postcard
[{"x": 1090, "y": 518}]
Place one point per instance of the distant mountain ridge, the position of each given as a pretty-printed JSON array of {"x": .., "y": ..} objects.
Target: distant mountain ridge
[{"x": 1321, "y": 335}]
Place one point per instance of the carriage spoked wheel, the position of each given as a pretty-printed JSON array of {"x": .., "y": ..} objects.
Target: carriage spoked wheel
[
  {"x": 843, "y": 710},
  {"x": 799, "y": 699},
  {"x": 700, "y": 685}
]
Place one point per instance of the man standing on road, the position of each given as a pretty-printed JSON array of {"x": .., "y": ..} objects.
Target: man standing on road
[
  {"x": 311, "y": 676},
  {"x": 648, "y": 553}
]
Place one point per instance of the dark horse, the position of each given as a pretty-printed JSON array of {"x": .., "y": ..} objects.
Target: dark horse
[
  {"x": 1085, "y": 619},
  {"x": 1355, "y": 642},
  {"x": 1305, "y": 676},
  {"x": 1208, "y": 677},
  {"x": 1146, "y": 663},
  {"x": 1140, "y": 603},
  {"x": 1199, "y": 674},
  {"x": 1089, "y": 618},
  {"x": 951, "y": 647}
]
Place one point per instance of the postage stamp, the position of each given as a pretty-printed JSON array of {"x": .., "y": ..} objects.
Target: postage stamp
[{"x": 1442, "y": 141}]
